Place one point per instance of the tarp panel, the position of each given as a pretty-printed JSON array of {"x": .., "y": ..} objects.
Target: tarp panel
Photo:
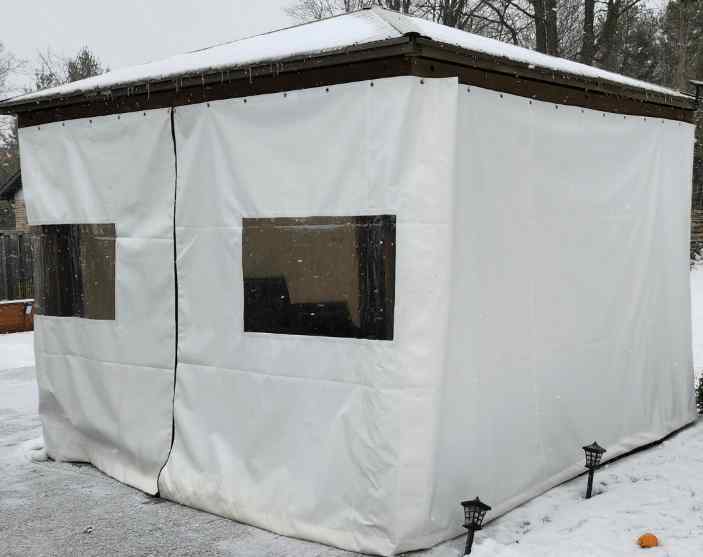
[
  {"x": 322, "y": 438},
  {"x": 106, "y": 386},
  {"x": 570, "y": 307}
]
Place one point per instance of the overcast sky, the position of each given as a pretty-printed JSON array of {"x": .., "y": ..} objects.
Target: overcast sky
[{"x": 130, "y": 32}]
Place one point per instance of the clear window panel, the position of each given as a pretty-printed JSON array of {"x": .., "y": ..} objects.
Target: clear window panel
[
  {"x": 74, "y": 270},
  {"x": 321, "y": 276}
]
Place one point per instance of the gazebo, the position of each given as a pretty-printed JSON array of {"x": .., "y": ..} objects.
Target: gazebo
[{"x": 333, "y": 280}]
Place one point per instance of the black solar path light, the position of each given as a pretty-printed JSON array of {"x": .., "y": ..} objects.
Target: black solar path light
[
  {"x": 594, "y": 453},
  {"x": 474, "y": 513}
]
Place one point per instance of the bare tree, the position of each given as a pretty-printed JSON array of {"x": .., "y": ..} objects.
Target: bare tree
[
  {"x": 55, "y": 70},
  {"x": 462, "y": 14},
  {"x": 50, "y": 72},
  {"x": 608, "y": 33},
  {"x": 531, "y": 23},
  {"x": 500, "y": 19},
  {"x": 8, "y": 65},
  {"x": 539, "y": 9},
  {"x": 550, "y": 10},
  {"x": 607, "y": 43},
  {"x": 402, "y": 6},
  {"x": 588, "y": 48},
  {"x": 311, "y": 10},
  {"x": 570, "y": 16}
]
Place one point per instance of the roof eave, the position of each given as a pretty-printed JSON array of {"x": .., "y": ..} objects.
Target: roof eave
[
  {"x": 410, "y": 45},
  {"x": 355, "y": 53},
  {"x": 450, "y": 53}
]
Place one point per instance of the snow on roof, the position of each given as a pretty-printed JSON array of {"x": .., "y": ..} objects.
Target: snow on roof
[
  {"x": 320, "y": 36},
  {"x": 335, "y": 33},
  {"x": 477, "y": 43}
]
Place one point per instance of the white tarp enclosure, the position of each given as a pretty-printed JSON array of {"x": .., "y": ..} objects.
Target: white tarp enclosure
[{"x": 336, "y": 312}]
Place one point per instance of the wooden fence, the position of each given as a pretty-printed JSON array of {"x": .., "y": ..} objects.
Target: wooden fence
[
  {"x": 16, "y": 316},
  {"x": 16, "y": 273},
  {"x": 696, "y": 232}
]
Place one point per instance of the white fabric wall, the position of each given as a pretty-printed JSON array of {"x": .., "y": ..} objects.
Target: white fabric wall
[
  {"x": 106, "y": 387},
  {"x": 570, "y": 314},
  {"x": 329, "y": 439},
  {"x": 541, "y": 303}
]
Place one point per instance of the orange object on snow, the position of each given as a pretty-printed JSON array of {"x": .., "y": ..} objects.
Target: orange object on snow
[{"x": 648, "y": 540}]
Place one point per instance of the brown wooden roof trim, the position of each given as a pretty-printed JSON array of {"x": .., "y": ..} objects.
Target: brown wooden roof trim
[
  {"x": 411, "y": 55},
  {"x": 521, "y": 71},
  {"x": 341, "y": 57},
  {"x": 558, "y": 94},
  {"x": 229, "y": 89}
]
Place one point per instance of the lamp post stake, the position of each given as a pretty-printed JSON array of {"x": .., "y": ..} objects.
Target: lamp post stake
[
  {"x": 469, "y": 541},
  {"x": 594, "y": 453},
  {"x": 589, "y": 489}
]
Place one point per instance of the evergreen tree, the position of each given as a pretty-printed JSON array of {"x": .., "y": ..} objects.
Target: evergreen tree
[
  {"x": 681, "y": 32},
  {"x": 9, "y": 155},
  {"x": 85, "y": 64},
  {"x": 9, "y": 149},
  {"x": 637, "y": 54}
]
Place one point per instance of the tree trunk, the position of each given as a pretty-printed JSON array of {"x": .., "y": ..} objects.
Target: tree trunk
[
  {"x": 452, "y": 11},
  {"x": 588, "y": 46},
  {"x": 608, "y": 36},
  {"x": 682, "y": 40},
  {"x": 402, "y": 6},
  {"x": 550, "y": 9},
  {"x": 540, "y": 26}
]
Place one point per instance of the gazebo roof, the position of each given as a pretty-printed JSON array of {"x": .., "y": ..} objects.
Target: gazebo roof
[{"x": 364, "y": 31}]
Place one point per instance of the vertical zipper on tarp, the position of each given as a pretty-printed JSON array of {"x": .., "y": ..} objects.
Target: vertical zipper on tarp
[{"x": 175, "y": 286}]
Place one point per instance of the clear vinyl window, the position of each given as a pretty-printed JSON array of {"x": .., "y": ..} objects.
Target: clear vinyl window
[
  {"x": 321, "y": 276},
  {"x": 74, "y": 270}
]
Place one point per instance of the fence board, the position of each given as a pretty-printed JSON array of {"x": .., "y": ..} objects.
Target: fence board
[{"x": 16, "y": 266}]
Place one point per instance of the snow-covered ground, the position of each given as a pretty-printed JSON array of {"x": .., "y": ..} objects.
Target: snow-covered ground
[
  {"x": 49, "y": 508},
  {"x": 16, "y": 350}
]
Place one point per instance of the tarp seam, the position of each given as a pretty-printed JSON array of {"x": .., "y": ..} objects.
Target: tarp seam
[
  {"x": 302, "y": 378},
  {"x": 99, "y": 361}
]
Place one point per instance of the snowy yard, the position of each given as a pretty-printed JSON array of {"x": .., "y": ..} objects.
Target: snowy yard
[{"x": 49, "y": 508}]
